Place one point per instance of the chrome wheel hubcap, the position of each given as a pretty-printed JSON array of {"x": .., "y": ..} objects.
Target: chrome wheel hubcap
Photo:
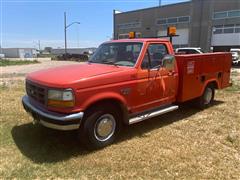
[
  {"x": 208, "y": 96},
  {"x": 105, "y": 127}
]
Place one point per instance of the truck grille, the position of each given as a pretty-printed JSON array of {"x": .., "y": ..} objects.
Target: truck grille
[{"x": 36, "y": 92}]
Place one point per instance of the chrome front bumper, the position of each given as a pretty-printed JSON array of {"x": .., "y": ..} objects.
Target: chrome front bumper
[{"x": 51, "y": 119}]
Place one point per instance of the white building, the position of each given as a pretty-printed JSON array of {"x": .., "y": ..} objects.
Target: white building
[
  {"x": 21, "y": 53},
  {"x": 73, "y": 51}
]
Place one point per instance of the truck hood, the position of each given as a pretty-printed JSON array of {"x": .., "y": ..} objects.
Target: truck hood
[{"x": 70, "y": 74}]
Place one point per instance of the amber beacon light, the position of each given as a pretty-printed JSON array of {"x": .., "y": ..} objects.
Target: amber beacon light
[
  {"x": 132, "y": 35},
  {"x": 171, "y": 31}
]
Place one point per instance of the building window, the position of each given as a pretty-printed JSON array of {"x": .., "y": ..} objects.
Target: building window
[
  {"x": 130, "y": 25},
  {"x": 126, "y": 35},
  {"x": 234, "y": 13},
  {"x": 237, "y": 28},
  {"x": 220, "y": 15},
  {"x": 226, "y": 14},
  {"x": 228, "y": 25},
  {"x": 228, "y": 28},
  {"x": 173, "y": 20},
  {"x": 217, "y": 31},
  {"x": 184, "y": 19},
  {"x": 123, "y": 36},
  {"x": 161, "y": 21},
  {"x": 219, "y": 26}
]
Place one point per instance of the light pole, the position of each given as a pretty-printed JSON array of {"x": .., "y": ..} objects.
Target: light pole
[
  {"x": 114, "y": 33},
  {"x": 65, "y": 30},
  {"x": 38, "y": 44},
  {"x": 160, "y": 3}
]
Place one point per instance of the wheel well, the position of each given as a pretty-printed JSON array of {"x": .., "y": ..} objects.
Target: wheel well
[
  {"x": 213, "y": 84},
  {"x": 113, "y": 102}
]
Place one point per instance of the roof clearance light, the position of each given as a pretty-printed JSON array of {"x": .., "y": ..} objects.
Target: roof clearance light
[
  {"x": 132, "y": 35},
  {"x": 171, "y": 31}
]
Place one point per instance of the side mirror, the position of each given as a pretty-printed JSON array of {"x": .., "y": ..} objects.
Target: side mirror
[{"x": 168, "y": 62}]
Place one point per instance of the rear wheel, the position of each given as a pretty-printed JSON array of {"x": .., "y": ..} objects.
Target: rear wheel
[
  {"x": 100, "y": 126},
  {"x": 207, "y": 97}
]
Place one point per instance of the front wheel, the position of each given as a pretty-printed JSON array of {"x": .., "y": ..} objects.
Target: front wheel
[
  {"x": 207, "y": 97},
  {"x": 100, "y": 127}
]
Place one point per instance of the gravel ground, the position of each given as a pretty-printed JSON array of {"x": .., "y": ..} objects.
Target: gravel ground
[
  {"x": 21, "y": 70},
  {"x": 236, "y": 68},
  {"x": 18, "y": 72}
]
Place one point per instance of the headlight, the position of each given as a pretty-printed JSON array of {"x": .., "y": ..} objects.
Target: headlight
[{"x": 60, "y": 98}]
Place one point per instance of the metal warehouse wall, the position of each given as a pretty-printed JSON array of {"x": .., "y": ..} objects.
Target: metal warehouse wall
[{"x": 200, "y": 27}]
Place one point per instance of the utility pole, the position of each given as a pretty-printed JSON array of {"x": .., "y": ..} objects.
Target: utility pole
[
  {"x": 160, "y": 2},
  {"x": 39, "y": 45},
  {"x": 65, "y": 30},
  {"x": 114, "y": 33}
]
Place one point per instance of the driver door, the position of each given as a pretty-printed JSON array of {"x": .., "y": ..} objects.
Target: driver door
[{"x": 156, "y": 82}]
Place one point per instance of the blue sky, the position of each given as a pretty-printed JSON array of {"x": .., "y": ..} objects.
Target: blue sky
[{"x": 24, "y": 22}]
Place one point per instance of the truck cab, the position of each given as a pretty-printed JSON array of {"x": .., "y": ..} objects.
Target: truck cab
[{"x": 124, "y": 82}]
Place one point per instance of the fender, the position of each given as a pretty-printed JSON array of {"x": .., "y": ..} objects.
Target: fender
[
  {"x": 104, "y": 96},
  {"x": 212, "y": 80}
]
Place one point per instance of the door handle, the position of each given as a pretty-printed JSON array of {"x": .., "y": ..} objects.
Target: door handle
[{"x": 171, "y": 73}]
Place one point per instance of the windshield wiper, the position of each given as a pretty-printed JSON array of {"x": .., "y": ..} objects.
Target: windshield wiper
[{"x": 109, "y": 62}]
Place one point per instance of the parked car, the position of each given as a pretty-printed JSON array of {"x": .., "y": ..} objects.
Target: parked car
[
  {"x": 73, "y": 57},
  {"x": 235, "y": 56},
  {"x": 124, "y": 82},
  {"x": 189, "y": 50}
]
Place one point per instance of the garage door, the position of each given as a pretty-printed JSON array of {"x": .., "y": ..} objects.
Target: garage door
[{"x": 226, "y": 35}]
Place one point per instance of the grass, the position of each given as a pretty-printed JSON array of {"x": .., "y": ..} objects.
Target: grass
[
  {"x": 185, "y": 144},
  {"x": 5, "y": 62}
]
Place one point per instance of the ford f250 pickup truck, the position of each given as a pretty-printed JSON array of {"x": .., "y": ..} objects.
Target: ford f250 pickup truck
[{"x": 124, "y": 82}]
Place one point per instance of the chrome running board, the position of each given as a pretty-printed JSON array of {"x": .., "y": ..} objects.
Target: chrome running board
[{"x": 152, "y": 114}]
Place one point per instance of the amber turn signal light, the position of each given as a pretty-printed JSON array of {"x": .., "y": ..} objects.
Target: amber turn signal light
[{"x": 61, "y": 104}]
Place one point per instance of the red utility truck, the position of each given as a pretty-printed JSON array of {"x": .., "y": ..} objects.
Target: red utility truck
[{"x": 124, "y": 82}]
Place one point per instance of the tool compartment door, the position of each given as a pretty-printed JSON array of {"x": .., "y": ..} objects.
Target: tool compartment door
[
  {"x": 189, "y": 84},
  {"x": 195, "y": 71}
]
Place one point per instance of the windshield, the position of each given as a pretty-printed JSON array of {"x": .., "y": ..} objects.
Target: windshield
[{"x": 122, "y": 54}]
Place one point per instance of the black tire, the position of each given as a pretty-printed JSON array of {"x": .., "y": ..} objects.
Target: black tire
[
  {"x": 88, "y": 131},
  {"x": 207, "y": 97}
]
